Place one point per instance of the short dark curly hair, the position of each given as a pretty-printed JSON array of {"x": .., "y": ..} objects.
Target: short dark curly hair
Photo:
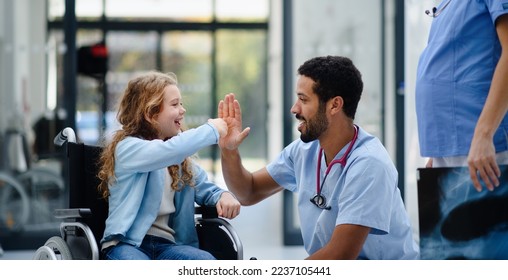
[{"x": 335, "y": 76}]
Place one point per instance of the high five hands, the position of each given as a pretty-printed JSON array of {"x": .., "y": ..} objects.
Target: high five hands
[{"x": 231, "y": 113}]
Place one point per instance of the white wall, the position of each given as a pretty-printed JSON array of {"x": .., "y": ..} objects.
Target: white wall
[
  {"x": 389, "y": 72},
  {"x": 416, "y": 32},
  {"x": 22, "y": 63}
]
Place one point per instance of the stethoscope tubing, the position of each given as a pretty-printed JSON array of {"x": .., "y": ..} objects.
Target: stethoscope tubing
[{"x": 342, "y": 161}]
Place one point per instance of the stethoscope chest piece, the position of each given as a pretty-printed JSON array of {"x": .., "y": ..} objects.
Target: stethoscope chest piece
[{"x": 319, "y": 200}]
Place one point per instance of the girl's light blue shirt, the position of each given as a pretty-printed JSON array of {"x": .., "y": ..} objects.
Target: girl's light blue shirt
[{"x": 135, "y": 196}]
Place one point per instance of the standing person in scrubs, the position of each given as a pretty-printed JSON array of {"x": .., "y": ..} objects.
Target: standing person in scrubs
[
  {"x": 462, "y": 89},
  {"x": 348, "y": 201}
]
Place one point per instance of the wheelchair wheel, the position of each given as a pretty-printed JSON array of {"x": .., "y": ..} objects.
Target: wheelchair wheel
[
  {"x": 46, "y": 189},
  {"x": 14, "y": 204},
  {"x": 45, "y": 253},
  {"x": 41, "y": 177},
  {"x": 59, "y": 247}
]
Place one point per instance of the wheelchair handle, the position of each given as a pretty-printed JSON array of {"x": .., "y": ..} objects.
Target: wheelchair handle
[{"x": 66, "y": 135}]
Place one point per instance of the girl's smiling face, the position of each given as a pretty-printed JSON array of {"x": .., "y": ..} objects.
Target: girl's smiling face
[{"x": 170, "y": 117}]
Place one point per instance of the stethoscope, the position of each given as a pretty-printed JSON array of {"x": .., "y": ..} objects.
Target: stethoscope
[
  {"x": 319, "y": 199},
  {"x": 434, "y": 12}
]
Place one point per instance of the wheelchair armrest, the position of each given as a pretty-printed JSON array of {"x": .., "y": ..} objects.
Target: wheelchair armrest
[
  {"x": 207, "y": 212},
  {"x": 71, "y": 213}
]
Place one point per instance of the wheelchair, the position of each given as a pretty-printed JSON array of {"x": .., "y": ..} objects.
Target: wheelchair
[
  {"x": 84, "y": 221},
  {"x": 27, "y": 193}
]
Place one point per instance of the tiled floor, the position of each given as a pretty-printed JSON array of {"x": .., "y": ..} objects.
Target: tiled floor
[
  {"x": 258, "y": 227},
  {"x": 259, "y": 252},
  {"x": 17, "y": 255}
]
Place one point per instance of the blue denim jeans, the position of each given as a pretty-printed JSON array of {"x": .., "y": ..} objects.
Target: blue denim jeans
[{"x": 155, "y": 248}]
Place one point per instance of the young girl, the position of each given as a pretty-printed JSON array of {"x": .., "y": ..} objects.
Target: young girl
[{"x": 150, "y": 180}]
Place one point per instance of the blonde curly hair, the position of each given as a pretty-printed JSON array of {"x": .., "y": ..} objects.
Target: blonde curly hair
[{"x": 143, "y": 96}]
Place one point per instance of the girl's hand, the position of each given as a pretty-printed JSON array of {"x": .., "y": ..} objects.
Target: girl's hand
[
  {"x": 221, "y": 126},
  {"x": 228, "y": 206}
]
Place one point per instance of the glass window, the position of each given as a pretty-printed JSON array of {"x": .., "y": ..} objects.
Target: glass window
[
  {"x": 174, "y": 10},
  {"x": 188, "y": 55},
  {"x": 129, "y": 54},
  {"x": 241, "y": 69},
  {"x": 132, "y": 51},
  {"x": 56, "y": 9},
  {"x": 355, "y": 34},
  {"x": 166, "y": 10},
  {"x": 85, "y": 9},
  {"x": 242, "y": 10},
  {"x": 89, "y": 95}
]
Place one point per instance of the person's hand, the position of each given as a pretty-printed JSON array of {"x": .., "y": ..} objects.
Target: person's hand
[
  {"x": 221, "y": 126},
  {"x": 231, "y": 113},
  {"x": 482, "y": 163},
  {"x": 228, "y": 206},
  {"x": 429, "y": 163}
]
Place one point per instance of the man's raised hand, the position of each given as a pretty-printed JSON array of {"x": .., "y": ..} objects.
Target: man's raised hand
[{"x": 231, "y": 113}]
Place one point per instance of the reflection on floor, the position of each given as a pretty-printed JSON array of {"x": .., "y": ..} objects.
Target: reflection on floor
[
  {"x": 258, "y": 252},
  {"x": 259, "y": 227},
  {"x": 18, "y": 255}
]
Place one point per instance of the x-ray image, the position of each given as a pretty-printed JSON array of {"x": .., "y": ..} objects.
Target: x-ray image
[{"x": 458, "y": 222}]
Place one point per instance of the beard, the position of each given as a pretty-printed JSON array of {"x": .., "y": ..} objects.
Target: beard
[{"x": 314, "y": 127}]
